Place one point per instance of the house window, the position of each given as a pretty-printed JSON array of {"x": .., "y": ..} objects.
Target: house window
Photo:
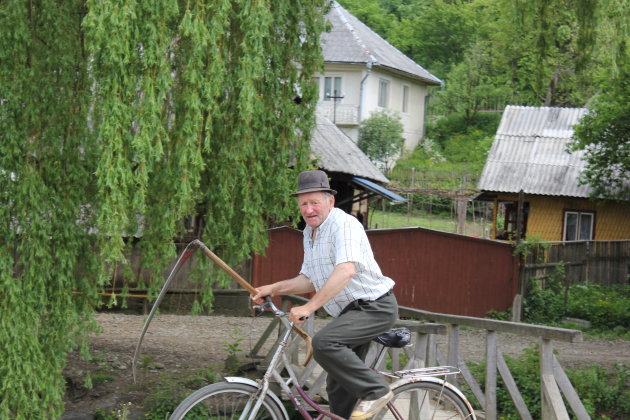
[
  {"x": 332, "y": 88},
  {"x": 578, "y": 225},
  {"x": 383, "y": 93},
  {"x": 405, "y": 98}
]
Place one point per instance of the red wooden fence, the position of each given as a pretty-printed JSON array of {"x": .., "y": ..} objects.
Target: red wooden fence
[{"x": 434, "y": 271}]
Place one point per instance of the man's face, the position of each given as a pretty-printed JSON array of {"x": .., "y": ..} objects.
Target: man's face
[{"x": 315, "y": 207}]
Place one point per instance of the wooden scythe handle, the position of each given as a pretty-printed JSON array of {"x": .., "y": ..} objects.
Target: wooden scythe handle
[{"x": 241, "y": 281}]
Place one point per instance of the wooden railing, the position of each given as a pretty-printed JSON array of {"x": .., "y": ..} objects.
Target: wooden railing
[
  {"x": 554, "y": 382},
  {"x": 425, "y": 352}
]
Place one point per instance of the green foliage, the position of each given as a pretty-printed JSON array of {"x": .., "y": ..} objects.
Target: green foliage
[
  {"x": 603, "y": 392},
  {"x": 433, "y": 33},
  {"x": 372, "y": 14},
  {"x": 437, "y": 35},
  {"x": 545, "y": 303},
  {"x": 499, "y": 315},
  {"x": 452, "y": 144},
  {"x": 202, "y": 378},
  {"x": 160, "y": 404},
  {"x": 170, "y": 390},
  {"x": 470, "y": 90},
  {"x": 605, "y": 307},
  {"x": 531, "y": 245},
  {"x": 526, "y": 372},
  {"x": 122, "y": 120},
  {"x": 390, "y": 220},
  {"x": 232, "y": 349},
  {"x": 120, "y": 414},
  {"x": 603, "y": 135},
  {"x": 455, "y": 124},
  {"x": 380, "y": 135}
]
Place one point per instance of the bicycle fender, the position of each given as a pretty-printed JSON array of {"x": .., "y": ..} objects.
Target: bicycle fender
[
  {"x": 437, "y": 381},
  {"x": 254, "y": 384}
]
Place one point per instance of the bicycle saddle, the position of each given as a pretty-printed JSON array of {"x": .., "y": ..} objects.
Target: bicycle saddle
[{"x": 396, "y": 338}]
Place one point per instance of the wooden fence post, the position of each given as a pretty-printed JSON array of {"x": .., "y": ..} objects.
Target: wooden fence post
[
  {"x": 491, "y": 375},
  {"x": 453, "y": 352},
  {"x": 551, "y": 401}
]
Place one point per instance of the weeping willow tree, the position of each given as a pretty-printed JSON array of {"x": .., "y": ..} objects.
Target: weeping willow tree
[{"x": 122, "y": 118}]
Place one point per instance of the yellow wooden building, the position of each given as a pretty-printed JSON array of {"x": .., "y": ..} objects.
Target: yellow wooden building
[{"x": 534, "y": 181}]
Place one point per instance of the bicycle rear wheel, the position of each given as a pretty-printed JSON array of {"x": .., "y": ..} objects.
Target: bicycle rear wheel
[
  {"x": 424, "y": 400},
  {"x": 223, "y": 401}
]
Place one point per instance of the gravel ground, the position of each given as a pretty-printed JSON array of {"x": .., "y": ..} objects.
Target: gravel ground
[{"x": 182, "y": 345}]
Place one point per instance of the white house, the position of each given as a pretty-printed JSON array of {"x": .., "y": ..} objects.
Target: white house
[{"x": 364, "y": 73}]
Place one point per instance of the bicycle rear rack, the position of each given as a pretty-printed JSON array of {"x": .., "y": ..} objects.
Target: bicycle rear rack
[{"x": 424, "y": 372}]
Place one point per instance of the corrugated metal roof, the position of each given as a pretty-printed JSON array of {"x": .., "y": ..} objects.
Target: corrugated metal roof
[
  {"x": 530, "y": 153},
  {"x": 337, "y": 152},
  {"x": 351, "y": 41},
  {"x": 382, "y": 191}
]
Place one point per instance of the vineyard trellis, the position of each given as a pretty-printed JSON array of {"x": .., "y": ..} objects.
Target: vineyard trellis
[{"x": 444, "y": 194}]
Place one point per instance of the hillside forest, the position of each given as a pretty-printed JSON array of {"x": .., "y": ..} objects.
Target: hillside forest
[{"x": 493, "y": 53}]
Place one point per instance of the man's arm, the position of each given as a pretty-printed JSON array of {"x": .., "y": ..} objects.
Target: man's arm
[
  {"x": 339, "y": 278},
  {"x": 296, "y": 285}
]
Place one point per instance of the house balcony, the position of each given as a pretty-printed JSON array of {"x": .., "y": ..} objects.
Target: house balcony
[{"x": 340, "y": 114}]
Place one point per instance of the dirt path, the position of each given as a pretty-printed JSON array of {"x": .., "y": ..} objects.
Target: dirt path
[{"x": 184, "y": 348}]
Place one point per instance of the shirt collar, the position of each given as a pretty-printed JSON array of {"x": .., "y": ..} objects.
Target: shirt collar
[{"x": 322, "y": 228}]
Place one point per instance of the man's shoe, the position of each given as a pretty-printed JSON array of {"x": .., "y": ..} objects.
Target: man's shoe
[{"x": 367, "y": 409}]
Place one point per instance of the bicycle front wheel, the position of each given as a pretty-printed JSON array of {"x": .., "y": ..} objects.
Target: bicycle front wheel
[
  {"x": 424, "y": 400},
  {"x": 223, "y": 401}
]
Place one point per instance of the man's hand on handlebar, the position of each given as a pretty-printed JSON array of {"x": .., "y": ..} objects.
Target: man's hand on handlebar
[
  {"x": 263, "y": 291},
  {"x": 299, "y": 314}
]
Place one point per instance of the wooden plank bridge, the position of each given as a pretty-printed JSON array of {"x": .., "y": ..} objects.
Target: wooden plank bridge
[{"x": 425, "y": 352}]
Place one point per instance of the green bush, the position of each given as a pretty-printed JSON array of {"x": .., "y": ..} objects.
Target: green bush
[
  {"x": 604, "y": 393},
  {"x": 544, "y": 302},
  {"x": 380, "y": 135},
  {"x": 606, "y": 307},
  {"x": 526, "y": 372},
  {"x": 161, "y": 404},
  {"x": 485, "y": 124}
]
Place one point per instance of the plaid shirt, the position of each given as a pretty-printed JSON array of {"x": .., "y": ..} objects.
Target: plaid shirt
[{"x": 341, "y": 238}]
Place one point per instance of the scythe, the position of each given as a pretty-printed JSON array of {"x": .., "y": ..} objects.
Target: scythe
[{"x": 190, "y": 248}]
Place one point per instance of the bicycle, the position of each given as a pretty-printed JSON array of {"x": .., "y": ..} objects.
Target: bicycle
[{"x": 418, "y": 393}]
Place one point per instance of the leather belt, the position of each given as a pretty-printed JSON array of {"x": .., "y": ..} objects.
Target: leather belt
[
  {"x": 389, "y": 292},
  {"x": 357, "y": 303}
]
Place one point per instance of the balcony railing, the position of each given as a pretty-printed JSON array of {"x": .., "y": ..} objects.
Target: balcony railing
[{"x": 344, "y": 114}]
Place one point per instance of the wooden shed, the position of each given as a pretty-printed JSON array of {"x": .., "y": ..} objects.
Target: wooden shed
[{"x": 535, "y": 179}]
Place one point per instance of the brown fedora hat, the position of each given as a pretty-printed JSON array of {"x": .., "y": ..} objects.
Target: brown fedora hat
[{"x": 311, "y": 181}]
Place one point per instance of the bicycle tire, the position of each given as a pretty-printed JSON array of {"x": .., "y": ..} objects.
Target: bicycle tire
[
  {"x": 424, "y": 400},
  {"x": 225, "y": 400}
]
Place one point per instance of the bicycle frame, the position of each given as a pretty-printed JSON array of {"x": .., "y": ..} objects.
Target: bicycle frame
[
  {"x": 399, "y": 377},
  {"x": 272, "y": 372}
]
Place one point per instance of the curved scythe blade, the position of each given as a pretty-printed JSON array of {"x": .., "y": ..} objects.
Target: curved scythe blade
[{"x": 180, "y": 261}]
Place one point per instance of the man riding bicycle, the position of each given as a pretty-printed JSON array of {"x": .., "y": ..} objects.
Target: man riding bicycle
[{"x": 339, "y": 266}]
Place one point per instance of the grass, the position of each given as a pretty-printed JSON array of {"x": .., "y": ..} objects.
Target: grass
[{"x": 388, "y": 220}]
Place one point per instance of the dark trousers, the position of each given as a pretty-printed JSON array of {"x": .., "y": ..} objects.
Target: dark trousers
[{"x": 341, "y": 347}]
